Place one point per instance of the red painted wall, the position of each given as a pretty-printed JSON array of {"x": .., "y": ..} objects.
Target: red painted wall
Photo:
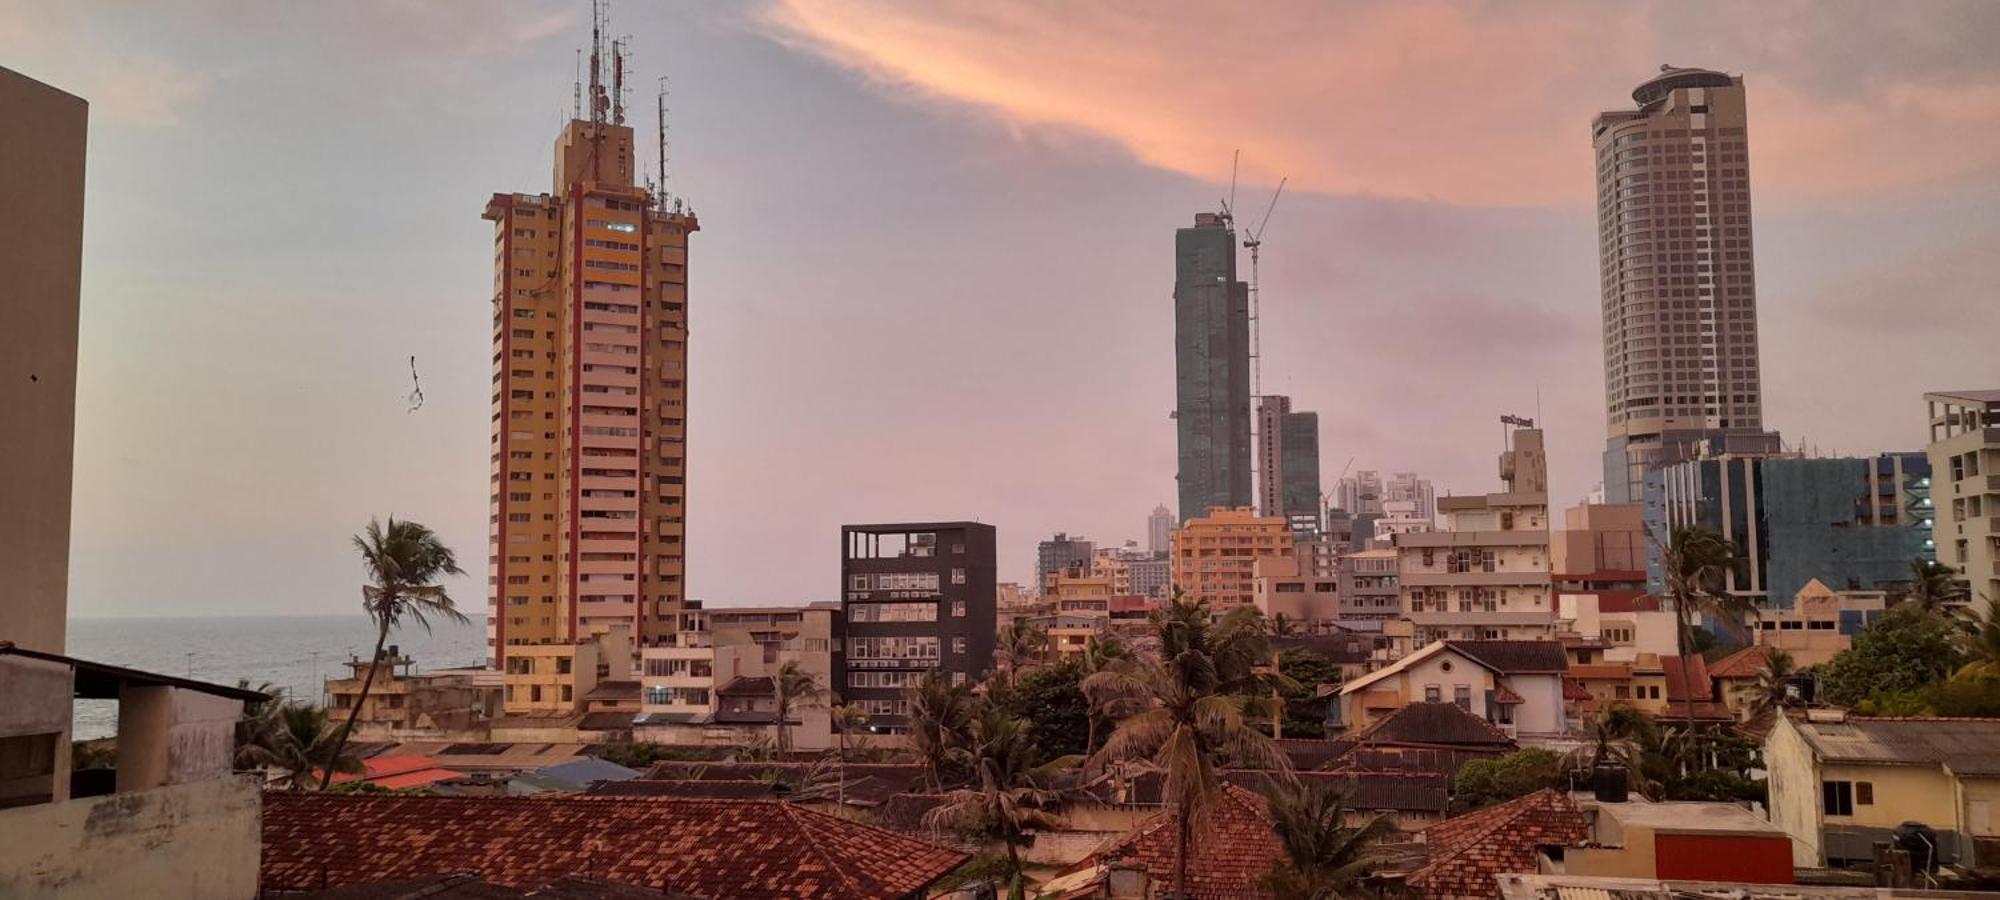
[{"x": 1753, "y": 860}]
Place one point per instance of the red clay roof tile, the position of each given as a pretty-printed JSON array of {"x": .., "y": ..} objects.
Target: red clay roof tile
[
  {"x": 1467, "y": 851},
  {"x": 706, "y": 848}
]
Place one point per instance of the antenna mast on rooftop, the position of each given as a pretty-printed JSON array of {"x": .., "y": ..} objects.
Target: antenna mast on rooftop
[
  {"x": 599, "y": 104},
  {"x": 661, "y": 199}
]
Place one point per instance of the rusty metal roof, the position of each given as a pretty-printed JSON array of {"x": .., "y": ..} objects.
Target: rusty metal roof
[{"x": 1966, "y": 746}]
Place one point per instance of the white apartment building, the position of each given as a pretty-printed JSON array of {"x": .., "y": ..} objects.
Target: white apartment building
[{"x": 1486, "y": 575}]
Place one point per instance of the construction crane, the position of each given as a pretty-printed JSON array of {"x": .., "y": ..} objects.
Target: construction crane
[{"x": 1254, "y": 241}]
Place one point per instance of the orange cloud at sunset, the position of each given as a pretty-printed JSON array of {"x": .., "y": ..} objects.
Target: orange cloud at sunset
[{"x": 1462, "y": 102}]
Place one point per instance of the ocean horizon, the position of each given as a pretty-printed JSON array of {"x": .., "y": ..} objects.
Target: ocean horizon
[{"x": 293, "y": 652}]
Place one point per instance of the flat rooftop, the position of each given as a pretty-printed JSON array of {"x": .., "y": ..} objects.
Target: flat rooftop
[{"x": 1690, "y": 817}]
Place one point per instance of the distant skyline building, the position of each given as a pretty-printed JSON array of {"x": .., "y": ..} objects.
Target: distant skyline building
[
  {"x": 1402, "y": 495},
  {"x": 1288, "y": 459},
  {"x": 588, "y": 516},
  {"x": 1160, "y": 530},
  {"x": 1059, "y": 553},
  {"x": 914, "y": 597},
  {"x": 1215, "y": 555},
  {"x": 1677, "y": 274},
  {"x": 1211, "y": 369}
]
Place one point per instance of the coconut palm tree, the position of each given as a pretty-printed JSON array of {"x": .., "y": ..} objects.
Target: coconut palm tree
[
  {"x": 1109, "y": 694},
  {"x": 404, "y": 561},
  {"x": 1695, "y": 561},
  {"x": 1325, "y": 858},
  {"x": 1020, "y": 646},
  {"x": 1772, "y": 690},
  {"x": 845, "y": 717},
  {"x": 1013, "y": 793},
  {"x": 1933, "y": 585},
  {"x": 1981, "y": 642},
  {"x": 1615, "y": 736},
  {"x": 1200, "y": 695},
  {"x": 293, "y": 739},
  {"x": 940, "y": 714},
  {"x": 793, "y": 687}
]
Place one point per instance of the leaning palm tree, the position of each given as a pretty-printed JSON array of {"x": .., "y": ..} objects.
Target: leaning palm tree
[
  {"x": 1981, "y": 642},
  {"x": 405, "y": 561},
  {"x": 940, "y": 714},
  {"x": 844, "y": 717},
  {"x": 1013, "y": 795},
  {"x": 1771, "y": 692},
  {"x": 1108, "y": 693},
  {"x": 1695, "y": 562},
  {"x": 1933, "y": 585},
  {"x": 294, "y": 740},
  {"x": 1200, "y": 695},
  {"x": 1616, "y": 735},
  {"x": 1325, "y": 858},
  {"x": 793, "y": 687},
  {"x": 1020, "y": 647}
]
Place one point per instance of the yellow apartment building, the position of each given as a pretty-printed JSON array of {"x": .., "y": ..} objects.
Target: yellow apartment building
[
  {"x": 1215, "y": 556},
  {"x": 589, "y": 428}
]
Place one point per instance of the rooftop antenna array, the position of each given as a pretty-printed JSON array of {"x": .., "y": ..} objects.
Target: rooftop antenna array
[{"x": 661, "y": 196}]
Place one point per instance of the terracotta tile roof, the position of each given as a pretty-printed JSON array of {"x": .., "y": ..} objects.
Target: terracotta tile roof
[
  {"x": 1505, "y": 696},
  {"x": 1748, "y": 662},
  {"x": 1573, "y": 689},
  {"x": 399, "y": 771},
  {"x": 1516, "y": 657},
  {"x": 1231, "y": 850},
  {"x": 1431, "y": 723},
  {"x": 706, "y": 848},
  {"x": 467, "y": 886},
  {"x": 1687, "y": 678},
  {"x": 1627, "y": 601},
  {"x": 747, "y": 686},
  {"x": 1311, "y": 753},
  {"x": 1608, "y": 670},
  {"x": 1467, "y": 851}
]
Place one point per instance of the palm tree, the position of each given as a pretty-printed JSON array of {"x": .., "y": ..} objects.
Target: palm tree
[
  {"x": 1324, "y": 858},
  {"x": 1772, "y": 691},
  {"x": 1283, "y": 626},
  {"x": 1013, "y": 795},
  {"x": 293, "y": 738},
  {"x": 1111, "y": 696},
  {"x": 1933, "y": 585},
  {"x": 845, "y": 717},
  {"x": 1020, "y": 646},
  {"x": 1981, "y": 642},
  {"x": 1695, "y": 561},
  {"x": 1200, "y": 694},
  {"x": 405, "y": 560},
  {"x": 940, "y": 714},
  {"x": 1617, "y": 735},
  {"x": 793, "y": 686}
]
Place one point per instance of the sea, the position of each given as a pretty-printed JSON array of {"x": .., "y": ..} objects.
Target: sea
[{"x": 290, "y": 652}]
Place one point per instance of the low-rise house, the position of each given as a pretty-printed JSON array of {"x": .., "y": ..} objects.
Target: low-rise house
[
  {"x": 1691, "y": 840},
  {"x": 403, "y": 701},
  {"x": 1840, "y": 783},
  {"x": 398, "y": 772},
  {"x": 1736, "y": 676},
  {"x": 1287, "y": 586},
  {"x": 1820, "y": 623},
  {"x": 546, "y": 684},
  {"x": 1464, "y": 856},
  {"x": 1232, "y": 848},
  {"x": 1625, "y": 624},
  {"x": 1517, "y": 685},
  {"x": 681, "y": 684},
  {"x": 1436, "y": 738},
  {"x": 701, "y": 848}
]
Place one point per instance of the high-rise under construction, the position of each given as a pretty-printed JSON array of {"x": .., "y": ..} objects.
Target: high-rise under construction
[
  {"x": 1211, "y": 368},
  {"x": 588, "y": 518}
]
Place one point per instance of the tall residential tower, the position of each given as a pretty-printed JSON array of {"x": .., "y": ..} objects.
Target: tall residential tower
[
  {"x": 1288, "y": 457},
  {"x": 1212, "y": 368},
  {"x": 1679, "y": 288},
  {"x": 588, "y": 514}
]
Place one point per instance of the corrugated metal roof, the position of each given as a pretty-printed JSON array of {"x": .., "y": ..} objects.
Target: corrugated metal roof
[{"x": 1966, "y": 746}]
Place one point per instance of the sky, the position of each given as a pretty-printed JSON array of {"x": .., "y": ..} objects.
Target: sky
[{"x": 934, "y": 274}]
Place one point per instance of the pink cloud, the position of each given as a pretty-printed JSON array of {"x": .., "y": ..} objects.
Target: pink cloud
[{"x": 1462, "y": 102}]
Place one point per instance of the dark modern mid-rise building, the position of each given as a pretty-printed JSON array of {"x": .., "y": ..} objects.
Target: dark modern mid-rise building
[
  {"x": 915, "y": 596},
  {"x": 1677, "y": 274},
  {"x": 1288, "y": 454},
  {"x": 1212, "y": 368},
  {"x": 1062, "y": 552},
  {"x": 1851, "y": 523}
]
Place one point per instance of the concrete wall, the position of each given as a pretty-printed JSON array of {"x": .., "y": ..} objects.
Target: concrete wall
[
  {"x": 172, "y": 736},
  {"x": 1794, "y": 791},
  {"x": 1542, "y": 713},
  {"x": 35, "y": 715},
  {"x": 41, "y": 266},
  {"x": 198, "y": 840}
]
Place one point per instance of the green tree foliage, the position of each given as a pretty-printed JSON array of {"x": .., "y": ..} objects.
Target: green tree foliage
[
  {"x": 1013, "y": 793},
  {"x": 1325, "y": 857},
  {"x": 1963, "y": 696},
  {"x": 1305, "y": 713},
  {"x": 1483, "y": 782},
  {"x": 1906, "y": 650},
  {"x": 1051, "y": 699}
]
